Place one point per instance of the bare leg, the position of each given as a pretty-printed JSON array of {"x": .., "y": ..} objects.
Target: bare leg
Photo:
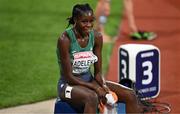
[
  {"x": 128, "y": 4},
  {"x": 102, "y": 12},
  {"x": 102, "y": 9},
  {"x": 126, "y": 95},
  {"x": 83, "y": 97},
  {"x": 97, "y": 14}
]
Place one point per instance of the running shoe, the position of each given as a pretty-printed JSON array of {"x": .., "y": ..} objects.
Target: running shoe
[
  {"x": 136, "y": 36},
  {"x": 148, "y": 35},
  {"x": 142, "y": 35}
]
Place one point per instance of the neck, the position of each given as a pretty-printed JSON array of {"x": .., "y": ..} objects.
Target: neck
[{"x": 79, "y": 34}]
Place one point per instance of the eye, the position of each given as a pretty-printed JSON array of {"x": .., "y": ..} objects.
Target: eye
[
  {"x": 91, "y": 21},
  {"x": 84, "y": 21},
  {"x": 88, "y": 21}
]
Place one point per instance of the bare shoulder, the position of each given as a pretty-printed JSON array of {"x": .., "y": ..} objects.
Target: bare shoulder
[
  {"x": 98, "y": 36},
  {"x": 63, "y": 38}
]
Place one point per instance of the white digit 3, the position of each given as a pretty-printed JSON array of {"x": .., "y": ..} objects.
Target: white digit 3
[
  {"x": 147, "y": 72},
  {"x": 124, "y": 68}
]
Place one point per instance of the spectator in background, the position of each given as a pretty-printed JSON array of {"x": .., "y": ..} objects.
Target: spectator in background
[
  {"x": 101, "y": 14},
  {"x": 103, "y": 11},
  {"x": 135, "y": 32}
]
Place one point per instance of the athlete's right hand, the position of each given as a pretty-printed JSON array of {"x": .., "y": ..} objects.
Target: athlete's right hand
[{"x": 101, "y": 93}]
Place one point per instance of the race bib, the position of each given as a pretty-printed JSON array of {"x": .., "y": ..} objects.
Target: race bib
[{"x": 82, "y": 61}]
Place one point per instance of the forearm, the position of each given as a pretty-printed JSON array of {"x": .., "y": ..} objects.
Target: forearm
[
  {"x": 102, "y": 82},
  {"x": 100, "y": 79}
]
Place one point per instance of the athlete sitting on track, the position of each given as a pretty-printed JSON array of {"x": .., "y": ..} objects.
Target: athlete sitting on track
[{"x": 79, "y": 47}]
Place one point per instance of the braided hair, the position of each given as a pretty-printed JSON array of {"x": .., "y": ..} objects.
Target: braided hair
[{"x": 78, "y": 10}]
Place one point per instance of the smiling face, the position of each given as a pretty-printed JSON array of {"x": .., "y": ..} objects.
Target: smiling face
[{"x": 84, "y": 23}]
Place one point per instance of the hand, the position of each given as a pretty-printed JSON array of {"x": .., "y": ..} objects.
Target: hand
[{"x": 101, "y": 92}]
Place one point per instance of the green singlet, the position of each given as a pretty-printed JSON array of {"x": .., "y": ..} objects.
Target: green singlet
[{"x": 81, "y": 58}]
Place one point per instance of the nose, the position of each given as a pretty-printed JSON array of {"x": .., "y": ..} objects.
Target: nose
[{"x": 89, "y": 24}]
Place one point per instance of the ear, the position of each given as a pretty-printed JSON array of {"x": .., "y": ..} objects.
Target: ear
[{"x": 75, "y": 19}]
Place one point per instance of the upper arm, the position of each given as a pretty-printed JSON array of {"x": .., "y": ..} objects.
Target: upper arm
[
  {"x": 98, "y": 43},
  {"x": 63, "y": 47}
]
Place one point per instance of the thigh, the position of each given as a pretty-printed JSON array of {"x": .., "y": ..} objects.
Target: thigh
[{"x": 77, "y": 94}]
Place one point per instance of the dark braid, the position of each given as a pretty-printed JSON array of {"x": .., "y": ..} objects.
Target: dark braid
[{"x": 78, "y": 10}]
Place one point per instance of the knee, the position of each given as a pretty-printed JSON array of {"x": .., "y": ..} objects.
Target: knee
[{"x": 130, "y": 96}]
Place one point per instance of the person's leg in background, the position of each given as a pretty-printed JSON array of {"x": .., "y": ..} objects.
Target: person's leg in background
[
  {"x": 128, "y": 6},
  {"x": 135, "y": 33},
  {"x": 101, "y": 13}
]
